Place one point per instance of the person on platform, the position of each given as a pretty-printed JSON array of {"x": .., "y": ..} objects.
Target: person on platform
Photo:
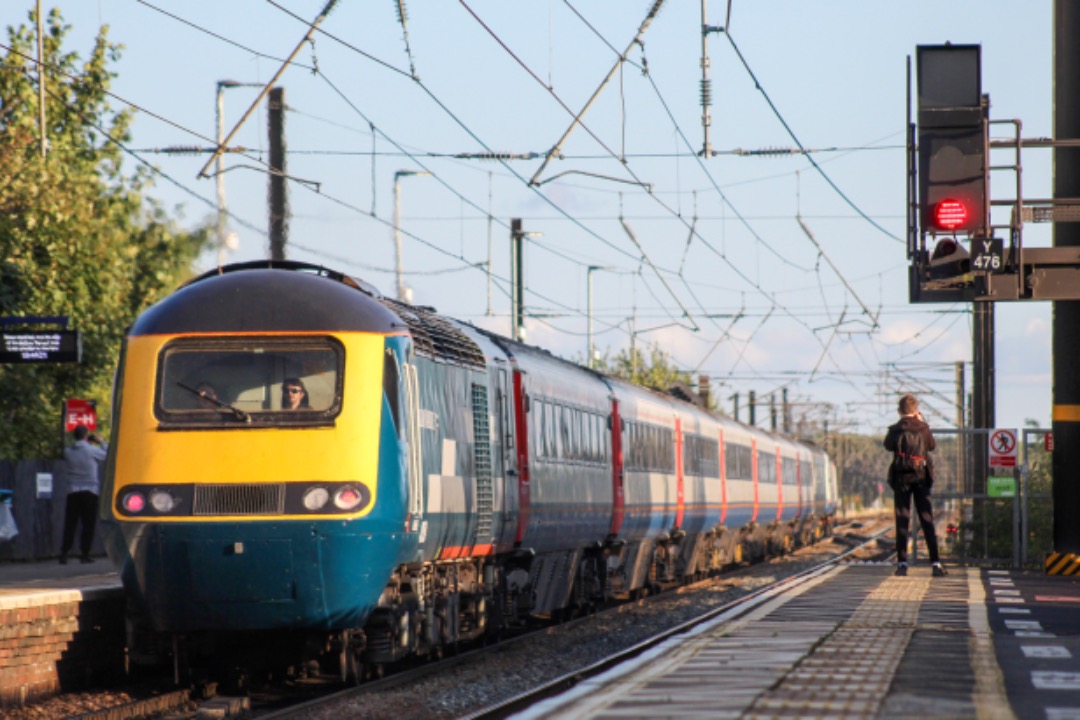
[
  {"x": 82, "y": 458},
  {"x": 911, "y": 475}
]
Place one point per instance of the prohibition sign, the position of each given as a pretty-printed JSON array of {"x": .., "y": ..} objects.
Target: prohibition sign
[{"x": 1003, "y": 448}]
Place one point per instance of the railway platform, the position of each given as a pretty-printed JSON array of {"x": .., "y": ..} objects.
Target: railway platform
[
  {"x": 61, "y": 627},
  {"x": 855, "y": 641}
]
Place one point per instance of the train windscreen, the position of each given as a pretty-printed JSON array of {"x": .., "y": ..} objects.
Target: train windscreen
[{"x": 269, "y": 380}]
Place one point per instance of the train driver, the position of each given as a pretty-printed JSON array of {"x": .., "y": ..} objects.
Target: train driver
[{"x": 294, "y": 395}]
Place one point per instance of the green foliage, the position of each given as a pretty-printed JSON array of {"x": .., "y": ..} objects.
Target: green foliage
[
  {"x": 862, "y": 465},
  {"x": 77, "y": 237},
  {"x": 654, "y": 372},
  {"x": 1040, "y": 503}
]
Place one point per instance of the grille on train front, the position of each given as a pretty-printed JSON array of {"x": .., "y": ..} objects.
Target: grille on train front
[{"x": 268, "y": 499}]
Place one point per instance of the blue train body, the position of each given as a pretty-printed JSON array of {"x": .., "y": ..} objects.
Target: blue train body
[{"x": 444, "y": 483}]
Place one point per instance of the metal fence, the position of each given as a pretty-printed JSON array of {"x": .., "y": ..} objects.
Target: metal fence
[
  {"x": 992, "y": 515},
  {"x": 38, "y": 512}
]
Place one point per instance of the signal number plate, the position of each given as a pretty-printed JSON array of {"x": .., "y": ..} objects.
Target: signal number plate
[{"x": 987, "y": 255}]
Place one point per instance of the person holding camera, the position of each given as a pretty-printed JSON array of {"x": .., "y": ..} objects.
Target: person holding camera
[
  {"x": 911, "y": 475},
  {"x": 82, "y": 459}
]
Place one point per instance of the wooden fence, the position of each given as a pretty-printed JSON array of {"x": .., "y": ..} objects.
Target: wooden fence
[{"x": 40, "y": 519}]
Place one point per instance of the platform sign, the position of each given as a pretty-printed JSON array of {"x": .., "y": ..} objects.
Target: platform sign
[
  {"x": 40, "y": 346},
  {"x": 1001, "y": 486},
  {"x": 80, "y": 412},
  {"x": 1002, "y": 447}
]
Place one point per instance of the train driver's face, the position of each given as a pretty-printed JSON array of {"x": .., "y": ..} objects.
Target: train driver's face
[{"x": 293, "y": 396}]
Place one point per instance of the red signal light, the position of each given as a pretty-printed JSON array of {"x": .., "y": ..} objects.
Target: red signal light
[{"x": 950, "y": 214}]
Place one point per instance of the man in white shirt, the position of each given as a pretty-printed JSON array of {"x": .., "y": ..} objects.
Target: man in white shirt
[{"x": 82, "y": 459}]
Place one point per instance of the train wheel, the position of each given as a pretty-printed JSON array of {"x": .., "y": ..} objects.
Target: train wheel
[{"x": 352, "y": 668}]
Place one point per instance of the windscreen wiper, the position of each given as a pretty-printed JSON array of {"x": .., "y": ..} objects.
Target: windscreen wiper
[{"x": 240, "y": 414}]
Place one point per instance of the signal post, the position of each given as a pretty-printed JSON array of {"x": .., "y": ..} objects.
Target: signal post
[
  {"x": 957, "y": 253},
  {"x": 1066, "y": 314}
]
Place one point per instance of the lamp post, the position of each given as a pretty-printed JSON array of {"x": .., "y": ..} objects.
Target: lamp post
[
  {"x": 589, "y": 313},
  {"x": 402, "y": 291},
  {"x": 222, "y": 230}
]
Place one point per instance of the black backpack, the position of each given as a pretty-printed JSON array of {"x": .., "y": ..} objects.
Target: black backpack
[{"x": 910, "y": 454}]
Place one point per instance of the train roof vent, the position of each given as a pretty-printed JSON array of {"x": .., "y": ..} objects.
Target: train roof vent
[{"x": 436, "y": 337}]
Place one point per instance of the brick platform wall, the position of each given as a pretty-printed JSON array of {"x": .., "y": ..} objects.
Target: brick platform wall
[{"x": 35, "y": 630}]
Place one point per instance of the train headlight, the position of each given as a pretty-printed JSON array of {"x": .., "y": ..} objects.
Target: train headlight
[
  {"x": 162, "y": 501},
  {"x": 134, "y": 502},
  {"x": 315, "y": 498},
  {"x": 348, "y": 497}
]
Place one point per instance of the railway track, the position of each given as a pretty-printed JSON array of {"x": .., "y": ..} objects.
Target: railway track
[
  {"x": 487, "y": 681},
  {"x": 483, "y": 683}
]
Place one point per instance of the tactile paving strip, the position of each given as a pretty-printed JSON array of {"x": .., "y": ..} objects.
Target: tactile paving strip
[
  {"x": 849, "y": 674},
  {"x": 855, "y": 644}
]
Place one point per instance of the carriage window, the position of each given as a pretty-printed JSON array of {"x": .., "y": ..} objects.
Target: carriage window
[
  {"x": 737, "y": 457},
  {"x": 392, "y": 390},
  {"x": 259, "y": 381},
  {"x": 787, "y": 471},
  {"x": 766, "y": 467},
  {"x": 701, "y": 456}
]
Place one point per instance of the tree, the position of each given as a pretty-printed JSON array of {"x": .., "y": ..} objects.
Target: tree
[
  {"x": 656, "y": 372},
  {"x": 77, "y": 236}
]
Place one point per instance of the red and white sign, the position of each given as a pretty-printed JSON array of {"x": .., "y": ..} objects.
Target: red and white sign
[
  {"x": 1002, "y": 448},
  {"x": 80, "y": 412},
  {"x": 1048, "y": 442}
]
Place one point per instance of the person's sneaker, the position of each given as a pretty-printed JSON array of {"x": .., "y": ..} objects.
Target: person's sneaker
[
  {"x": 901, "y": 570},
  {"x": 86, "y": 559},
  {"x": 63, "y": 559},
  {"x": 939, "y": 571}
]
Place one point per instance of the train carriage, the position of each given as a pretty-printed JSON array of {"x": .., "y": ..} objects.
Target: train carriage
[{"x": 698, "y": 465}]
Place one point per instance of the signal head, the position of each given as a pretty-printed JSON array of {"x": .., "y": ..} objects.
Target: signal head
[{"x": 950, "y": 214}]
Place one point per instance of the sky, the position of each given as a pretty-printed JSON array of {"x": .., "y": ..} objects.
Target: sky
[{"x": 765, "y": 268}]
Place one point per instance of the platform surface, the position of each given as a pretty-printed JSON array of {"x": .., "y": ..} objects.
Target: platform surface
[
  {"x": 96, "y": 578},
  {"x": 858, "y": 642}
]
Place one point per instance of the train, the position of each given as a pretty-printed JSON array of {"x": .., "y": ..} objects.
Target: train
[{"x": 438, "y": 484}]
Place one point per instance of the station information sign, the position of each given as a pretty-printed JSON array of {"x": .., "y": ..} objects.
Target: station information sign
[{"x": 40, "y": 346}]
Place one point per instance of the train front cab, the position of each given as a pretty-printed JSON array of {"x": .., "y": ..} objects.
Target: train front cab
[{"x": 243, "y": 515}]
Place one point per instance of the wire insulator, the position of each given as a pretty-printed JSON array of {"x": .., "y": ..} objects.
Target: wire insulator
[{"x": 706, "y": 93}]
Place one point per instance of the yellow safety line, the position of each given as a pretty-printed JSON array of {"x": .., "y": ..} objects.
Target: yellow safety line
[{"x": 990, "y": 699}]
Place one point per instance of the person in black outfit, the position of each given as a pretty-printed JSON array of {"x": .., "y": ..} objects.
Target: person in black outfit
[{"x": 911, "y": 477}]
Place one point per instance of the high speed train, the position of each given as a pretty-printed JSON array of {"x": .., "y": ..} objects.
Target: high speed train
[{"x": 437, "y": 484}]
